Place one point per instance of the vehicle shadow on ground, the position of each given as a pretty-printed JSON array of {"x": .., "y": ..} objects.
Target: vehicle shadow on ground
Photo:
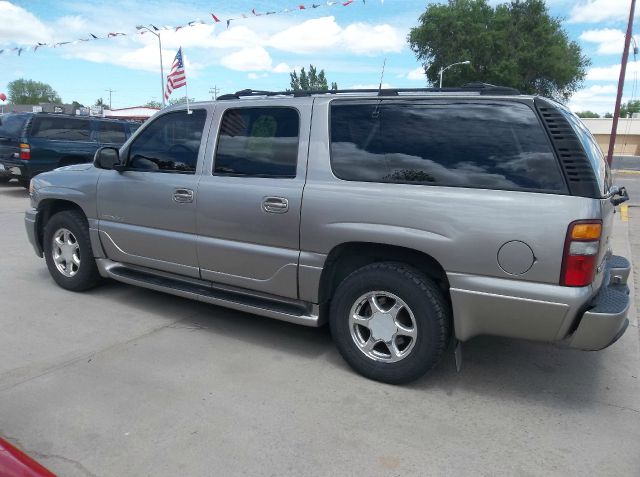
[
  {"x": 13, "y": 189},
  {"x": 498, "y": 368}
]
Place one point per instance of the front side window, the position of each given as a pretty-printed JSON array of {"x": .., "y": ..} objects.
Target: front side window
[
  {"x": 258, "y": 142},
  {"x": 61, "y": 128},
  {"x": 489, "y": 145},
  {"x": 170, "y": 143},
  {"x": 112, "y": 132}
]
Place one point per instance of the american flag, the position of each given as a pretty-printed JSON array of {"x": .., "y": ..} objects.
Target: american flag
[{"x": 176, "y": 78}]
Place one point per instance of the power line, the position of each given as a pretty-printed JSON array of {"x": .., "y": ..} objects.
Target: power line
[{"x": 214, "y": 92}]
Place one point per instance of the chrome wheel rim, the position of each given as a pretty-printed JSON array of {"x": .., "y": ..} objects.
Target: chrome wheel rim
[
  {"x": 383, "y": 327},
  {"x": 65, "y": 251}
]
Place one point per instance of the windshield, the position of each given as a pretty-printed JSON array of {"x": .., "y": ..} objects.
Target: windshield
[
  {"x": 12, "y": 125},
  {"x": 592, "y": 149}
]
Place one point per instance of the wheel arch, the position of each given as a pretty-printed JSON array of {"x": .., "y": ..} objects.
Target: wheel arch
[
  {"x": 47, "y": 208},
  {"x": 347, "y": 257}
]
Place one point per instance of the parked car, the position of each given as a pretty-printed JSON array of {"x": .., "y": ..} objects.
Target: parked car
[
  {"x": 404, "y": 218},
  {"x": 32, "y": 143}
]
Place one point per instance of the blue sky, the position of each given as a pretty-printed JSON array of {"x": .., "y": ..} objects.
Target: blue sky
[{"x": 350, "y": 43}]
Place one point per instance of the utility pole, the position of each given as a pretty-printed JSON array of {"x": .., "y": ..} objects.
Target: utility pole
[
  {"x": 214, "y": 92},
  {"x": 110, "y": 91},
  {"x": 623, "y": 70}
]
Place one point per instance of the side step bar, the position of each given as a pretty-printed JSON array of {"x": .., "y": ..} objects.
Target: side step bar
[{"x": 299, "y": 313}]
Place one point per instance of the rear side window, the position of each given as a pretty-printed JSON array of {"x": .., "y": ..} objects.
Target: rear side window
[
  {"x": 12, "y": 125},
  {"x": 63, "y": 129},
  {"x": 484, "y": 145},
  {"x": 111, "y": 132},
  {"x": 259, "y": 142},
  {"x": 170, "y": 143}
]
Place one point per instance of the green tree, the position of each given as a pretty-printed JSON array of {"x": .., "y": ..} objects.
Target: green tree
[
  {"x": 312, "y": 81},
  {"x": 587, "y": 114},
  {"x": 180, "y": 100},
  {"x": 627, "y": 109},
  {"x": 153, "y": 104},
  {"x": 100, "y": 102},
  {"x": 516, "y": 44},
  {"x": 608, "y": 115},
  {"x": 76, "y": 105},
  {"x": 24, "y": 91}
]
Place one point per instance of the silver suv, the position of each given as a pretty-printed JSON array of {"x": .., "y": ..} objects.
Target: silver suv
[{"x": 407, "y": 219}]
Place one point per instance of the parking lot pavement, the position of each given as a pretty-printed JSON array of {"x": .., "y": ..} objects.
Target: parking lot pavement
[{"x": 123, "y": 381}]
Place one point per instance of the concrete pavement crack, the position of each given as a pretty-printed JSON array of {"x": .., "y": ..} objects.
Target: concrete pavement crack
[
  {"x": 41, "y": 456},
  {"x": 86, "y": 356}
]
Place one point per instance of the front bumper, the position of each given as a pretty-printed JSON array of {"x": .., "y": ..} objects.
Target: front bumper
[
  {"x": 605, "y": 320},
  {"x": 31, "y": 224}
]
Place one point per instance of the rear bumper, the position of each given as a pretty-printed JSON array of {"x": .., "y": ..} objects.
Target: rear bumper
[
  {"x": 584, "y": 318},
  {"x": 15, "y": 168},
  {"x": 605, "y": 320}
]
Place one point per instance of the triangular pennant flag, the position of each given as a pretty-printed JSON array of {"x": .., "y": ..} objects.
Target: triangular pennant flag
[
  {"x": 228, "y": 23},
  {"x": 92, "y": 36},
  {"x": 215, "y": 18}
]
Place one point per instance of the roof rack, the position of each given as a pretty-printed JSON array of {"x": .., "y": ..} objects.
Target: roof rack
[{"x": 480, "y": 88}]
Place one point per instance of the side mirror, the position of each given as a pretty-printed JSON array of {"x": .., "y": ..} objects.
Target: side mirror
[{"x": 107, "y": 158}]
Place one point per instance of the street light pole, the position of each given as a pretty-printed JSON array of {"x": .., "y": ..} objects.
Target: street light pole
[
  {"x": 142, "y": 27},
  {"x": 442, "y": 70}
]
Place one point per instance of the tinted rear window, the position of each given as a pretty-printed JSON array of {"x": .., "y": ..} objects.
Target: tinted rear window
[
  {"x": 259, "y": 142},
  {"x": 63, "y": 129},
  {"x": 490, "y": 145},
  {"x": 112, "y": 132},
  {"x": 12, "y": 125}
]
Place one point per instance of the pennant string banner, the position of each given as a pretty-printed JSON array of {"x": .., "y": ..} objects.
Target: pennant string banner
[{"x": 215, "y": 18}]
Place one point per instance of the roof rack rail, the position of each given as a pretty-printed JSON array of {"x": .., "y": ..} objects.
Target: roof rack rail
[{"x": 481, "y": 88}]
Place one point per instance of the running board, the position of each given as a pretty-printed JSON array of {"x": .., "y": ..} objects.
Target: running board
[{"x": 299, "y": 313}]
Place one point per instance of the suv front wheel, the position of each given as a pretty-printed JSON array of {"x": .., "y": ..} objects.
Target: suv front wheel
[
  {"x": 68, "y": 253},
  {"x": 390, "y": 322}
]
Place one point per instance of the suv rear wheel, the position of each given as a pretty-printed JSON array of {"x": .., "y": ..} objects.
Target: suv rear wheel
[
  {"x": 68, "y": 253},
  {"x": 390, "y": 322}
]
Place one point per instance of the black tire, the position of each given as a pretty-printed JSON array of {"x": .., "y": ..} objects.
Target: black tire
[
  {"x": 86, "y": 275},
  {"x": 431, "y": 312}
]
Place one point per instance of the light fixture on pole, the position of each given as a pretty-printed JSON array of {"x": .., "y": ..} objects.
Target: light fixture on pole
[
  {"x": 442, "y": 70},
  {"x": 142, "y": 27}
]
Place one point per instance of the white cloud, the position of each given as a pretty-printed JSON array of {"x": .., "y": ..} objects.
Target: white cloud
[
  {"x": 371, "y": 86},
  {"x": 308, "y": 37},
  {"x": 609, "y": 40},
  {"x": 248, "y": 59},
  {"x": 252, "y": 76},
  {"x": 20, "y": 27},
  {"x": 417, "y": 74},
  {"x": 596, "y": 98},
  {"x": 595, "y": 11},
  {"x": 612, "y": 73},
  {"x": 324, "y": 34},
  {"x": 362, "y": 38},
  {"x": 282, "y": 68}
]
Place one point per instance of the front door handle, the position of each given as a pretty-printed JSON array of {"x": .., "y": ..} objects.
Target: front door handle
[
  {"x": 275, "y": 205},
  {"x": 183, "y": 196}
]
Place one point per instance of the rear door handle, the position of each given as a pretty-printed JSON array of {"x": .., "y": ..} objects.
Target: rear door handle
[
  {"x": 275, "y": 205},
  {"x": 183, "y": 196}
]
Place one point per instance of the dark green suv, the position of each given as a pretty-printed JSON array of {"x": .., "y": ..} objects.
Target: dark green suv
[{"x": 31, "y": 143}]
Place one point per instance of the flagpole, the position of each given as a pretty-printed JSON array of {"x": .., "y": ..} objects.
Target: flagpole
[{"x": 186, "y": 88}]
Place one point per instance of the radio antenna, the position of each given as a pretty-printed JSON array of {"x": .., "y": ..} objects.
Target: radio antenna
[{"x": 382, "y": 76}]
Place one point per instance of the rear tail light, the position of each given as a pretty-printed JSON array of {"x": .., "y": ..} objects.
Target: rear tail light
[
  {"x": 25, "y": 152},
  {"x": 581, "y": 253}
]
